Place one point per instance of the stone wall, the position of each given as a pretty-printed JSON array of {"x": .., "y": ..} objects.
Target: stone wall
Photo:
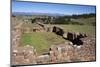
[
  {"x": 58, "y": 31},
  {"x": 65, "y": 52},
  {"x": 74, "y": 37},
  {"x": 24, "y": 55}
]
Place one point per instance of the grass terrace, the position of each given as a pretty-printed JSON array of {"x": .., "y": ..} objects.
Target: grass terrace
[{"x": 41, "y": 40}]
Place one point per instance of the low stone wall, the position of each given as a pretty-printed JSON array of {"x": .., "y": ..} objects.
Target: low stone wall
[{"x": 65, "y": 52}]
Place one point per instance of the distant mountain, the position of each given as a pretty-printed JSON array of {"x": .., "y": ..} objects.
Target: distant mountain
[{"x": 35, "y": 13}]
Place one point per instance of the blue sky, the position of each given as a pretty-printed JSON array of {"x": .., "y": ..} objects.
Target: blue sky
[{"x": 51, "y": 8}]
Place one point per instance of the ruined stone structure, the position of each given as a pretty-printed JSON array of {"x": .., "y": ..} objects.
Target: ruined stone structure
[
  {"x": 65, "y": 52},
  {"x": 75, "y": 38},
  {"x": 21, "y": 55},
  {"x": 58, "y": 31}
]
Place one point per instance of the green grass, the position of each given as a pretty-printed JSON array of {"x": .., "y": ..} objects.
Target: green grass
[
  {"x": 41, "y": 40},
  {"x": 79, "y": 28},
  {"x": 86, "y": 21}
]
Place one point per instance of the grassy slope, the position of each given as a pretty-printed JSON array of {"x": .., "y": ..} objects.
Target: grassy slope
[
  {"x": 41, "y": 40},
  {"x": 86, "y": 21}
]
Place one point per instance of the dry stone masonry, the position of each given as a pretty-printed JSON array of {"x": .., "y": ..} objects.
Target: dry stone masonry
[{"x": 65, "y": 52}]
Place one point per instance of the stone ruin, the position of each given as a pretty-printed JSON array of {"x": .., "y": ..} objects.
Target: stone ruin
[
  {"x": 58, "y": 31},
  {"x": 61, "y": 53},
  {"x": 66, "y": 52},
  {"x": 39, "y": 27},
  {"x": 27, "y": 55},
  {"x": 75, "y": 38}
]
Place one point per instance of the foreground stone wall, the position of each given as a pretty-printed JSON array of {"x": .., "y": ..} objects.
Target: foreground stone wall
[
  {"x": 24, "y": 55},
  {"x": 65, "y": 52}
]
